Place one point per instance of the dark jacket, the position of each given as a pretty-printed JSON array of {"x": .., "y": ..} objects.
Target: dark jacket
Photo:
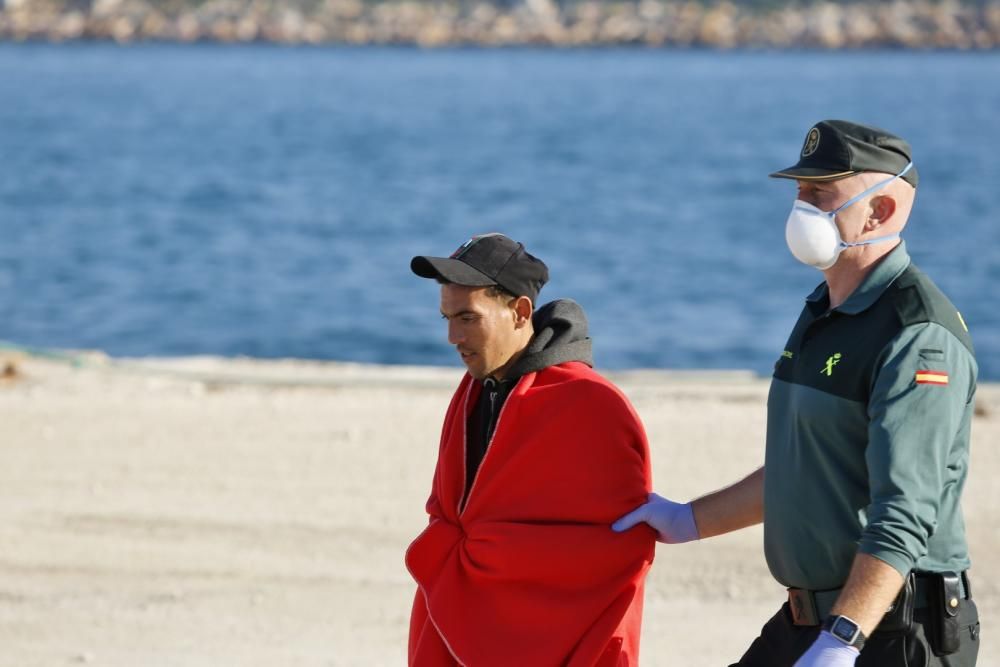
[{"x": 560, "y": 337}]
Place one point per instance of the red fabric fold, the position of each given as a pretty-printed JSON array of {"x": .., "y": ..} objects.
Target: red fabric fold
[{"x": 530, "y": 572}]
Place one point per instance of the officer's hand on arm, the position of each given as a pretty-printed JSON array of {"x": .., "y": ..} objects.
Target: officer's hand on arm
[
  {"x": 732, "y": 508},
  {"x": 674, "y": 522},
  {"x": 828, "y": 651}
]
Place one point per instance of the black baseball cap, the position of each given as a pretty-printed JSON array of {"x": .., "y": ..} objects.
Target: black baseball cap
[
  {"x": 836, "y": 149},
  {"x": 484, "y": 260}
]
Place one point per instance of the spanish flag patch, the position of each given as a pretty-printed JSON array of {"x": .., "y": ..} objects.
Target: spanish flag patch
[{"x": 932, "y": 377}]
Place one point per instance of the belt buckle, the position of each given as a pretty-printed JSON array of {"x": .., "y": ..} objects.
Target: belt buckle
[{"x": 802, "y": 604}]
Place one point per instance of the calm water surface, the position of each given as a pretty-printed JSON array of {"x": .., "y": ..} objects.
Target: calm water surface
[{"x": 266, "y": 201}]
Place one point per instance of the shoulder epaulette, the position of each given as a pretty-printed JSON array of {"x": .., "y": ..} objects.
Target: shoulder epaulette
[{"x": 917, "y": 300}]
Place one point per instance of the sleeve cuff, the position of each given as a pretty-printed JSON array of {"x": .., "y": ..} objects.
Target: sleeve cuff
[{"x": 897, "y": 560}]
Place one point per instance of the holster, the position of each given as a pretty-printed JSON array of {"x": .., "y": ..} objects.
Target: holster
[
  {"x": 899, "y": 617},
  {"x": 944, "y": 600}
]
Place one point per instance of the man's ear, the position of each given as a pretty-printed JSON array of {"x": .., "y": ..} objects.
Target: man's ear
[
  {"x": 883, "y": 207},
  {"x": 523, "y": 309}
]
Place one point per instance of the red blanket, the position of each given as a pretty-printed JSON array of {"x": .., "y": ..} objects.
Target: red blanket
[{"x": 530, "y": 573}]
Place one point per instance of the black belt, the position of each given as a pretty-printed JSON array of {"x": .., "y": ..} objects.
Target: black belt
[{"x": 812, "y": 607}]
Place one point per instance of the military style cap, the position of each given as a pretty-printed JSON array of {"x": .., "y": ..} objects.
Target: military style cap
[
  {"x": 836, "y": 149},
  {"x": 487, "y": 259}
]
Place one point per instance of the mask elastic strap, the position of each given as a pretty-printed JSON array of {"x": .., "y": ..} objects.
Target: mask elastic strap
[
  {"x": 881, "y": 239},
  {"x": 877, "y": 186}
]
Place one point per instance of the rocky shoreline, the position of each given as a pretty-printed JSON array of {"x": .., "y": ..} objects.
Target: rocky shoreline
[{"x": 919, "y": 24}]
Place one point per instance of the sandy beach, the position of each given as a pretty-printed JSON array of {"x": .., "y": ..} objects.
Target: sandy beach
[{"x": 208, "y": 512}]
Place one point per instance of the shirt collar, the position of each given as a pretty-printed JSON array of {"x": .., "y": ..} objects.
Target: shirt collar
[{"x": 870, "y": 289}]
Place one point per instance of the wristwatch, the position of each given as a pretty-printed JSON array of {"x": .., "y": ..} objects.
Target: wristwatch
[{"x": 846, "y": 630}]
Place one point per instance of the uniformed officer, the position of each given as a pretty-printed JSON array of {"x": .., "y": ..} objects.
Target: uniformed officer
[{"x": 867, "y": 433}]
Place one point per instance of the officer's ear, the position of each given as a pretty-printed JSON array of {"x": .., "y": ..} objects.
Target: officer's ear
[{"x": 883, "y": 207}]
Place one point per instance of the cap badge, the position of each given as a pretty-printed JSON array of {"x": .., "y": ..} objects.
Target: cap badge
[
  {"x": 465, "y": 246},
  {"x": 462, "y": 248},
  {"x": 812, "y": 142}
]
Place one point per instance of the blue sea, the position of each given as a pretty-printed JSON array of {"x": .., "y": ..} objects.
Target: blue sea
[{"x": 266, "y": 201}]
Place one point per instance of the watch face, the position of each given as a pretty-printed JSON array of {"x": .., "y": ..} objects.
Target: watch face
[{"x": 845, "y": 629}]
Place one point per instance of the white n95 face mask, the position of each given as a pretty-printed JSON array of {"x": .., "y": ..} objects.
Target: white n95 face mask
[{"x": 812, "y": 234}]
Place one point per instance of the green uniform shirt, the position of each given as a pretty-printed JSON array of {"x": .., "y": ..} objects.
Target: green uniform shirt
[{"x": 868, "y": 432}]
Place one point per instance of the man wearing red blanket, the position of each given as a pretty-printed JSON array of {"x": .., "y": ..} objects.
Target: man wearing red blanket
[{"x": 538, "y": 456}]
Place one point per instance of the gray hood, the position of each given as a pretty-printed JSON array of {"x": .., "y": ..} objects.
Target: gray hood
[{"x": 560, "y": 336}]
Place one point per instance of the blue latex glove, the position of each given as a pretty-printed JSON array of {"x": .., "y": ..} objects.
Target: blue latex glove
[
  {"x": 828, "y": 651},
  {"x": 673, "y": 521}
]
